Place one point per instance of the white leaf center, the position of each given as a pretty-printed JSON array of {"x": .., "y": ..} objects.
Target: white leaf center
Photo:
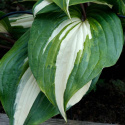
[{"x": 66, "y": 57}]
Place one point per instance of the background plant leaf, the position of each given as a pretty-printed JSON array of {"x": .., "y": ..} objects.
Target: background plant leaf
[
  {"x": 13, "y": 80},
  {"x": 118, "y": 5},
  {"x": 45, "y": 6},
  {"x": 20, "y": 23},
  {"x": 4, "y": 24}
]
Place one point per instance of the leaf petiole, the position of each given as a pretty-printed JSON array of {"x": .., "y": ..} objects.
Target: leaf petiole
[{"x": 83, "y": 12}]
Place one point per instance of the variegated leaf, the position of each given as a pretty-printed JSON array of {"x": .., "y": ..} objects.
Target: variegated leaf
[
  {"x": 20, "y": 95},
  {"x": 24, "y": 20},
  {"x": 65, "y": 56},
  {"x": 117, "y": 5},
  {"x": 44, "y": 6},
  {"x": 4, "y": 24},
  {"x": 20, "y": 24},
  {"x": 64, "y": 5}
]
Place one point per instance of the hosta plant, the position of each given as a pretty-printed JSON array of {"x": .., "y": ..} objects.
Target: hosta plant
[{"x": 59, "y": 59}]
